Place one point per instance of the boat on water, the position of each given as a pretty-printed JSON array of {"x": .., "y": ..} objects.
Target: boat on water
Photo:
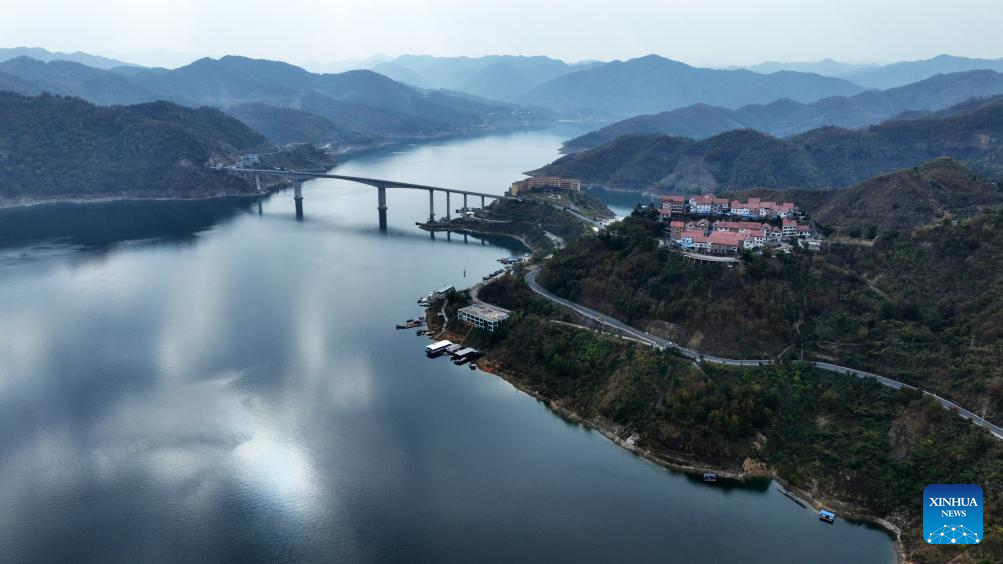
[
  {"x": 709, "y": 477},
  {"x": 473, "y": 366},
  {"x": 827, "y": 516},
  {"x": 412, "y": 323}
]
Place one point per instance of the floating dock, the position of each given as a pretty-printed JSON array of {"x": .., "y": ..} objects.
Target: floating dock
[{"x": 792, "y": 497}]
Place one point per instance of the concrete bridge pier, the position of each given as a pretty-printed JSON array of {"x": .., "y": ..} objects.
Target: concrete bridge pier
[
  {"x": 257, "y": 183},
  {"x": 298, "y": 197},
  {"x": 465, "y": 208},
  {"x": 431, "y": 206},
  {"x": 381, "y": 193},
  {"x": 447, "y": 206},
  {"x": 482, "y": 202}
]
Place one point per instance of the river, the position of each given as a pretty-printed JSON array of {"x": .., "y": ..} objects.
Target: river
[{"x": 210, "y": 382}]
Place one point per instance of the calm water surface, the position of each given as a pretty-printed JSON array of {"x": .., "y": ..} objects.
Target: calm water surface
[{"x": 209, "y": 382}]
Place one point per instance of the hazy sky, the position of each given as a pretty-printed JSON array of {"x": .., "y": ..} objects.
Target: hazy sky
[{"x": 715, "y": 32}]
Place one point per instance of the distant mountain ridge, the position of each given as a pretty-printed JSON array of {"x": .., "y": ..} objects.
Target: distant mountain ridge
[
  {"x": 905, "y": 72},
  {"x": 825, "y": 67},
  {"x": 496, "y": 77},
  {"x": 653, "y": 84},
  {"x": 787, "y": 117},
  {"x": 824, "y": 158},
  {"x": 45, "y": 55},
  {"x": 360, "y": 102}
]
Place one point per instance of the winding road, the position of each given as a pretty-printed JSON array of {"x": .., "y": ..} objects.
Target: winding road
[{"x": 661, "y": 343}]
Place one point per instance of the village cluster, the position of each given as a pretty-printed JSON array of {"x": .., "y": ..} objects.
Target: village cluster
[{"x": 713, "y": 225}]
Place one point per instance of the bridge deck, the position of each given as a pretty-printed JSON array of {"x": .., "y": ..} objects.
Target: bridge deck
[{"x": 375, "y": 182}]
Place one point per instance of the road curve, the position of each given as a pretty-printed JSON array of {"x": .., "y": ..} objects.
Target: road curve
[{"x": 661, "y": 343}]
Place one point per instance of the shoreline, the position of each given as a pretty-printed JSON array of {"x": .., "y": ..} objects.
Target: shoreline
[
  {"x": 342, "y": 157},
  {"x": 692, "y": 467},
  {"x": 814, "y": 501}
]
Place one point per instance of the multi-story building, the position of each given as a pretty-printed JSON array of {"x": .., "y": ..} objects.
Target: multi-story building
[
  {"x": 716, "y": 242},
  {"x": 673, "y": 205},
  {"x": 483, "y": 316},
  {"x": 740, "y": 226},
  {"x": 708, "y": 204},
  {"x": 756, "y": 207},
  {"x": 545, "y": 183},
  {"x": 676, "y": 229}
]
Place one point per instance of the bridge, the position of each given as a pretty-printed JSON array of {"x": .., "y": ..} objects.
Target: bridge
[{"x": 381, "y": 186}]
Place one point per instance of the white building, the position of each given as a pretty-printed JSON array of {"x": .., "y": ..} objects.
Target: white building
[{"x": 484, "y": 316}]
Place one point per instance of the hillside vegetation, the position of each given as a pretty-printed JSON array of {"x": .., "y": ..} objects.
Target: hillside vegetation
[
  {"x": 786, "y": 117},
  {"x": 288, "y": 125},
  {"x": 924, "y": 307},
  {"x": 851, "y": 444},
  {"x": 828, "y": 157},
  {"x": 54, "y": 147},
  {"x": 931, "y": 192}
]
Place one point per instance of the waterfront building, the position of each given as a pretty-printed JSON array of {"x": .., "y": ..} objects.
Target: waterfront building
[{"x": 484, "y": 316}]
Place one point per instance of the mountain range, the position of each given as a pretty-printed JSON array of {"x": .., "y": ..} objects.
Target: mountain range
[
  {"x": 905, "y": 72},
  {"x": 824, "y": 158},
  {"x": 354, "y": 102},
  {"x": 652, "y": 84},
  {"x": 40, "y": 54},
  {"x": 787, "y": 117},
  {"x": 512, "y": 78},
  {"x": 885, "y": 76},
  {"x": 498, "y": 77},
  {"x": 825, "y": 67}
]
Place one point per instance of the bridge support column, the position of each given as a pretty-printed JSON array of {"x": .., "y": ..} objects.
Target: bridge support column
[
  {"x": 431, "y": 206},
  {"x": 381, "y": 193},
  {"x": 482, "y": 202},
  {"x": 447, "y": 206},
  {"x": 257, "y": 183},
  {"x": 465, "y": 208},
  {"x": 298, "y": 197}
]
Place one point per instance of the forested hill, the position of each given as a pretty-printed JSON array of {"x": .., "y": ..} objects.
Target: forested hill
[
  {"x": 923, "y": 306},
  {"x": 929, "y": 193},
  {"x": 53, "y": 147},
  {"x": 824, "y": 158}
]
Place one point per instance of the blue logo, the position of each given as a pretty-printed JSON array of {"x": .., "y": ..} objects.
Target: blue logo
[{"x": 952, "y": 514}]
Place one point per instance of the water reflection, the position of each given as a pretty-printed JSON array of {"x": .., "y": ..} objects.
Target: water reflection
[{"x": 228, "y": 385}]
